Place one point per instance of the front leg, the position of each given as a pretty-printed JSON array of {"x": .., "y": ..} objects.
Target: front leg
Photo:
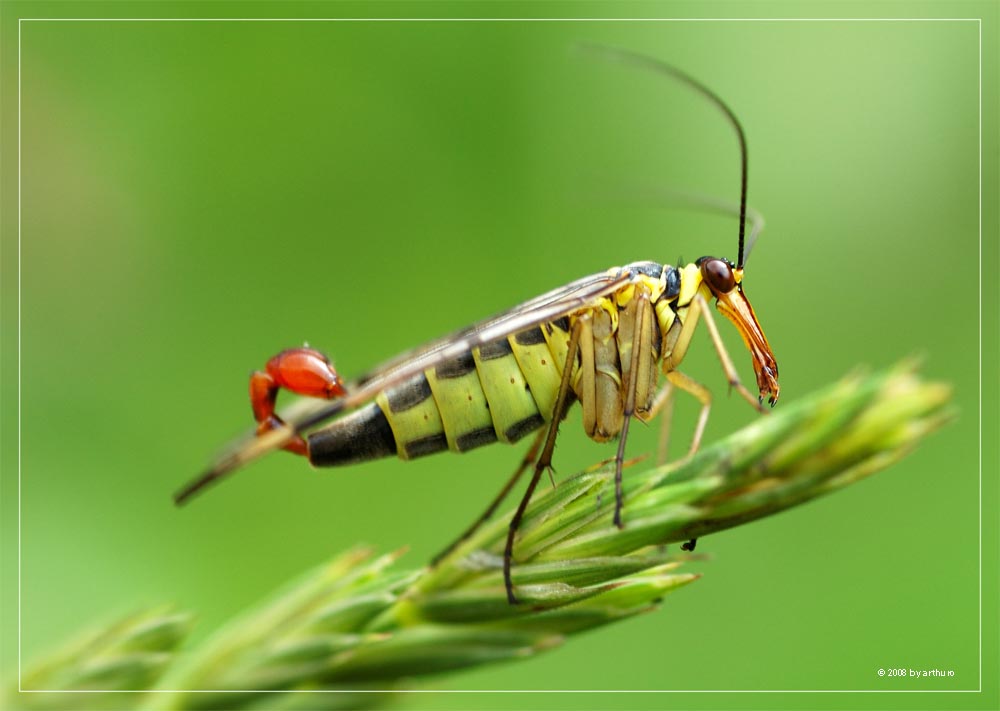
[{"x": 663, "y": 402}]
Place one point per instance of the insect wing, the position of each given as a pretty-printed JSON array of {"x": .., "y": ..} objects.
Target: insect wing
[
  {"x": 542, "y": 309},
  {"x": 308, "y": 412}
]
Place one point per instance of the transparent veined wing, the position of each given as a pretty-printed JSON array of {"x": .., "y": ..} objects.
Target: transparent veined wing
[{"x": 307, "y": 413}]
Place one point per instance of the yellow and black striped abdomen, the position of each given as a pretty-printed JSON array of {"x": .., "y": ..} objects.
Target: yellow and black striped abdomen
[{"x": 500, "y": 391}]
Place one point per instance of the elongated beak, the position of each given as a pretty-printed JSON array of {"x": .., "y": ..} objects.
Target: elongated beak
[{"x": 736, "y": 307}]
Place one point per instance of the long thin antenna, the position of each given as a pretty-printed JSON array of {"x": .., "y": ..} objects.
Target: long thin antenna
[{"x": 655, "y": 65}]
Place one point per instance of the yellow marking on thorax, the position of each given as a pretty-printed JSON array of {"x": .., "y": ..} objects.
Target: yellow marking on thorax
[
  {"x": 665, "y": 315},
  {"x": 654, "y": 287},
  {"x": 690, "y": 283}
]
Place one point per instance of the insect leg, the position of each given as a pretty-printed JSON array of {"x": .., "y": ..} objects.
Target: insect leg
[
  {"x": 727, "y": 362},
  {"x": 544, "y": 461},
  {"x": 586, "y": 379},
  {"x": 700, "y": 306},
  {"x": 640, "y": 361},
  {"x": 528, "y": 460},
  {"x": 677, "y": 344},
  {"x": 704, "y": 396},
  {"x": 663, "y": 406}
]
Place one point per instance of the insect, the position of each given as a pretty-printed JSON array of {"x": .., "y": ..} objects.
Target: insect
[{"x": 600, "y": 341}]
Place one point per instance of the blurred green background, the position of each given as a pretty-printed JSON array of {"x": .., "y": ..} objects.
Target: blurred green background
[{"x": 198, "y": 196}]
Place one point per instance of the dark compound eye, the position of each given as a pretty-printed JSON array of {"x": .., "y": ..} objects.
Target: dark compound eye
[{"x": 719, "y": 275}]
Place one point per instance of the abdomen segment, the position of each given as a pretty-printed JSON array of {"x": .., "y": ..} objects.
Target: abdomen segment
[{"x": 500, "y": 391}]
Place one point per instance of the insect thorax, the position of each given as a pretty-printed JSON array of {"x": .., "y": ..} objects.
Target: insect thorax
[{"x": 671, "y": 291}]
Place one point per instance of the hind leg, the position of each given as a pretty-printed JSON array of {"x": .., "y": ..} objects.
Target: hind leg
[{"x": 528, "y": 460}]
